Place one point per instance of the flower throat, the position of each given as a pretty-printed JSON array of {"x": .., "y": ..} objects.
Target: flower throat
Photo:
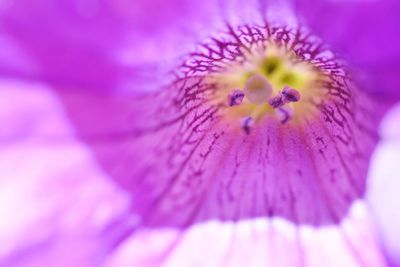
[{"x": 272, "y": 82}]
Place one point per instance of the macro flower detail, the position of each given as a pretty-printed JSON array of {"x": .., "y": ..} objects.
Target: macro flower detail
[
  {"x": 198, "y": 133},
  {"x": 259, "y": 121}
]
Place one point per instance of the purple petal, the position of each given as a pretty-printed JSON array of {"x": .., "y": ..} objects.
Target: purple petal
[
  {"x": 99, "y": 45},
  {"x": 173, "y": 151},
  {"x": 110, "y": 45},
  {"x": 366, "y": 33}
]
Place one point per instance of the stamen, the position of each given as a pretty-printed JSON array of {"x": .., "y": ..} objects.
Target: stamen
[
  {"x": 276, "y": 101},
  {"x": 247, "y": 124},
  {"x": 235, "y": 98},
  {"x": 257, "y": 89},
  {"x": 290, "y": 94},
  {"x": 287, "y": 95},
  {"x": 284, "y": 114}
]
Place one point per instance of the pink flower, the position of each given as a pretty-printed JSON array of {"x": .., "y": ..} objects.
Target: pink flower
[{"x": 120, "y": 148}]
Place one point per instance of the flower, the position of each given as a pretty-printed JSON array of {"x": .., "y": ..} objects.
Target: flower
[{"x": 174, "y": 164}]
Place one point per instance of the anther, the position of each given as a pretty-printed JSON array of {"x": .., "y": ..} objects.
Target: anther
[
  {"x": 276, "y": 101},
  {"x": 285, "y": 96},
  {"x": 247, "y": 124},
  {"x": 235, "y": 98},
  {"x": 257, "y": 89},
  {"x": 290, "y": 94}
]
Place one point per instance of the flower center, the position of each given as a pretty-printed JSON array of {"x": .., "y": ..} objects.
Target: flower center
[{"x": 272, "y": 81}]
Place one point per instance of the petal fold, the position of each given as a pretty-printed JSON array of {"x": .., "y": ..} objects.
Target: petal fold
[{"x": 384, "y": 182}]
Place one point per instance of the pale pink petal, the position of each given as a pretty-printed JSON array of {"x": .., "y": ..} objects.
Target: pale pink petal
[
  {"x": 384, "y": 183},
  {"x": 257, "y": 242},
  {"x": 56, "y": 205}
]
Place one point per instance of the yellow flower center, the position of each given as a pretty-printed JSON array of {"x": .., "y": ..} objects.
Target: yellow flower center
[{"x": 264, "y": 74}]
